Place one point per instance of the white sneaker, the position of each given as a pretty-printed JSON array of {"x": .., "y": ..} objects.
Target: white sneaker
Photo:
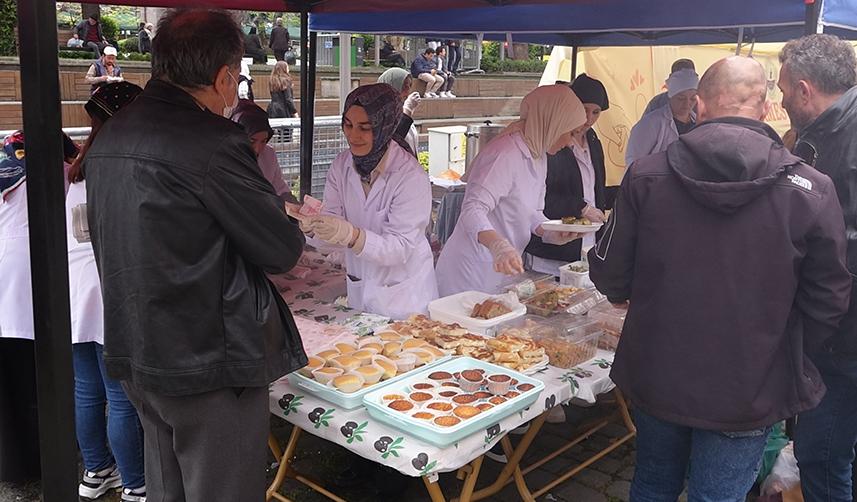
[
  {"x": 96, "y": 484},
  {"x": 135, "y": 495},
  {"x": 449, "y": 94},
  {"x": 444, "y": 94},
  {"x": 431, "y": 95}
]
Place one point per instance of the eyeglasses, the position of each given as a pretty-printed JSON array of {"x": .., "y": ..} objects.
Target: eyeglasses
[{"x": 807, "y": 152}]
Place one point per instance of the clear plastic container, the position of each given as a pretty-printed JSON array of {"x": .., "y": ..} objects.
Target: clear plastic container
[
  {"x": 575, "y": 274},
  {"x": 610, "y": 320},
  {"x": 551, "y": 301},
  {"x": 568, "y": 340},
  {"x": 530, "y": 283}
]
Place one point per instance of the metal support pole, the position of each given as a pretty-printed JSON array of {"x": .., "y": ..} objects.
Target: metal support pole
[
  {"x": 574, "y": 50},
  {"x": 48, "y": 252},
  {"x": 377, "y": 50},
  {"x": 344, "y": 67},
  {"x": 305, "y": 176},
  {"x": 740, "y": 41},
  {"x": 308, "y": 116},
  {"x": 813, "y": 16}
]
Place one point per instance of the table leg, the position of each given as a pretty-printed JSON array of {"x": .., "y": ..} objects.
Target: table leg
[
  {"x": 275, "y": 447},
  {"x": 285, "y": 459},
  {"x": 470, "y": 482},
  {"x": 434, "y": 490}
]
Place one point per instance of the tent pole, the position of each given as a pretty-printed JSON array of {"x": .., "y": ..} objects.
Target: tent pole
[
  {"x": 344, "y": 67},
  {"x": 740, "y": 41},
  {"x": 813, "y": 13},
  {"x": 305, "y": 176},
  {"x": 574, "y": 51},
  {"x": 307, "y": 133},
  {"x": 377, "y": 50},
  {"x": 48, "y": 249}
]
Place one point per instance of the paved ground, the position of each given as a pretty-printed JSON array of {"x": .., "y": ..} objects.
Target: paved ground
[{"x": 608, "y": 480}]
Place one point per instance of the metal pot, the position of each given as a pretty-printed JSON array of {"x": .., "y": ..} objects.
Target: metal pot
[{"x": 478, "y": 135}]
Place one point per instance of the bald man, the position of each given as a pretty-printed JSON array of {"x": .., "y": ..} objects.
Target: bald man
[{"x": 728, "y": 253}]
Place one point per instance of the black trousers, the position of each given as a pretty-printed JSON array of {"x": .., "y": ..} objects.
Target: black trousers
[{"x": 19, "y": 418}]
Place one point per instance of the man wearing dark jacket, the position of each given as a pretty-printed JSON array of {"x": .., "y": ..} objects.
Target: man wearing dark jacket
[
  {"x": 279, "y": 42},
  {"x": 89, "y": 30},
  {"x": 818, "y": 79},
  {"x": 729, "y": 254},
  {"x": 184, "y": 228}
]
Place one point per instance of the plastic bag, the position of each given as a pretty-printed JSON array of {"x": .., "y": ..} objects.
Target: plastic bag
[{"x": 784, "y": 475}]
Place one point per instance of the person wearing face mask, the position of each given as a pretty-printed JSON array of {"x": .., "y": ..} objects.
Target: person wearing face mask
[
  {"x": 184, "y": 228},
  {"x": 575, "y": 184},
  {"x": 660, "y": 127},
  {"x": 377, "y": 204},
  {"x": 505, "y": 196}
]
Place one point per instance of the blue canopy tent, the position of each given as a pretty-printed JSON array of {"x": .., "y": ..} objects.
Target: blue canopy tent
[{"x": 615, "y": 22}]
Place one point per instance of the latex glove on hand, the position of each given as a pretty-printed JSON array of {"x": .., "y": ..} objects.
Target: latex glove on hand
[
  {"x": 412, "y": 102},
  {"x": 507, "y": 260},
  {"x": 332, "y": 229},
  {"x": 593, "y": 214},
  {"x": 557, "y": 238}
]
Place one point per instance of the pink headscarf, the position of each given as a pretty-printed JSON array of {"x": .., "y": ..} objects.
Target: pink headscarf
[{"x": 547, "y": 113}]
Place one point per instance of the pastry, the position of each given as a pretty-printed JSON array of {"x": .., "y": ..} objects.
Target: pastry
[
  {"x": 348, "y": 383},
  {"x": 507, "y": 357},
  {"x": 466, "y": 412},
  {"x": 401, "y": 405},
  {"x": 389, "y": 367},
  {"x": 422, "y": 386},
  {"x": 447, "y": 421},
  {"x": 328, "y": 354},
  {"x": 436, "y": 352},
  {"x": 497, "y": 400},
  {"x": 406, "y": 362},
  {"x": 367, "y": 340},
  {"x": 448, "y": 394},
  {"x": 420, "y": 397},
  {"x": 440, "y": 375},
  {"x": 389, "y": 398},
  {"x": 511, "y": 394},
  {"x": 345, "y": 348},
  {"x": 482, "y": 394},
  {"x": 389, "y": 336},
  {"x": 450, "y": 384},
  {"x": 524, "y": 387},
  {"x": 447, "y": 342},
  {"x": 364, "y": 356},
  {"x": 413, "y": 343},
  {"x": 471, "y": 375},
  {"x": 313, "y": 363},
  {"x": 346, "y": 363},
  {"x": 423, "y": 415},
  {"x": 377, "y": 347},
  {"x": 464, "y": 399},
  {"x": 439, "y": 406},
  {"x": 499, "y": 384},
  {"x": 484, "y": 406},
  {"x": 423, "y": 356},
  {"x": 391, "y": 348},
  {"x": 489, "y": 309},
  {"x": 325, "y": 375},
  {"x": 371, "y": 374}
]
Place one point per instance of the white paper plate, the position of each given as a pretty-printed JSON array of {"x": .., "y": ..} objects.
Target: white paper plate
[{"x": 559, "y": 226}]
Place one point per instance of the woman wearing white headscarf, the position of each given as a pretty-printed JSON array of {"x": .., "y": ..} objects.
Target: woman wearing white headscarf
[
  {"x": 505, "y": 195},
  {"x": 401, "y": 81}
]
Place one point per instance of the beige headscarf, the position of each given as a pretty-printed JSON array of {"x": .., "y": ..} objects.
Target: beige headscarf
[{"x": 547, "y": 113}]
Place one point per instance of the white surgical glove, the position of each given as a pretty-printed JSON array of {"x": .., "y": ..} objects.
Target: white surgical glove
[
  {"x": 507, "y": 260},
  {"x": 593, "y": 214},
  {"x": 559, "y": 238},
  {"x": 411, "y": 104},
  {"x": 332, "y": 229}
]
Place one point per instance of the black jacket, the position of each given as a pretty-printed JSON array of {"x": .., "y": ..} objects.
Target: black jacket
[
  {"x": 253, "y": 48},
  {"x": 184, "y": 228},
  {"x": 564, "y": 196},
  {"x": 83, "y": 27},
  {"x": 144, "y": 42},
  {"x": 732, "y": 253},
  {"x": 282, "y": 104},
  {"x": 830, "y": 145},
  {"x": 279, "y": 39}
]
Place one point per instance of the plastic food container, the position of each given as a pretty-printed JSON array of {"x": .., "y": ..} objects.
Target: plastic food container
[
  {"x": 568, "y": 339},
  {"x": 581, "y": 302},
  {"x": 437, "y": 435},
  {"x": 552, "y": 301},
  {"x": 456, "y": 309},
  {"x": 611, "y": 320},
  {"x": 575, "y": 274},
  {"x": 533, "y": 283}
]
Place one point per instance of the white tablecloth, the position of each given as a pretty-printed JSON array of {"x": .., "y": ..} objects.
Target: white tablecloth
[{"x": 358, "y": 432}]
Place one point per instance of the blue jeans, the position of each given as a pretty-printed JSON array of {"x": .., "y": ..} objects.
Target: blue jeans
[
  {"x": 718, "y": 466},
  {"x": 825, "y": 436},
  {"x": 93, "y": 389}
]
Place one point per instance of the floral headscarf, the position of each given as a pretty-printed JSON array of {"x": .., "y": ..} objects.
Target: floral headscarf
[{"x": 384, "y": 108}]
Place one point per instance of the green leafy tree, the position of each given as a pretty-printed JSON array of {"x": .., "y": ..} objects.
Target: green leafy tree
[
  {"x": 110, "y": 28},
  {"x": 8, "y": 25}
]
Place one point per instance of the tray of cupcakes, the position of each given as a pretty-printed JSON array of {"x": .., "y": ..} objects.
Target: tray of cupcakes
[
  {"x": 346, "y": 372},
  {"x": 451, "y": 400}
]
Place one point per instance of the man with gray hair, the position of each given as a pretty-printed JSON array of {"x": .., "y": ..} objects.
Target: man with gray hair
[
  {"x": 184, "y": 228},
  {"x": 728, "y": 253},
  {"x": 280, "y": 40},
  {"x": 818, "y": 79}
]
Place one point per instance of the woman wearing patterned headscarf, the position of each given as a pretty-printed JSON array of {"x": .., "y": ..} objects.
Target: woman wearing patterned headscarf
[
  {"x": 120, "y": 465},
  {"x": 505, "y": 196},
  {"x": 377, "y": 205}
]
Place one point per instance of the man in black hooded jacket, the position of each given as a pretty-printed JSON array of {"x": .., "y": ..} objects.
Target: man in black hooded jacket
[
  {"x": 729, "y": 253},
  {"x": 818, "y": 79}
]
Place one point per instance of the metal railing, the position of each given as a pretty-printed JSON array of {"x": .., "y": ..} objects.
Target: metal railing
[{"x": 328, "y": 142}]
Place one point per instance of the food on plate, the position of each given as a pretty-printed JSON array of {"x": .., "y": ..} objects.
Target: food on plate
[
  {"x": 446, "y": 342},
  {"x": 364, "y": 356},
  {"x": 346, "y": 363},
  {"x": 371, "y": 374},
  {"x": 466, "y": 412},
  {"x": 401, "y": 405},
  {"x": 551, "y": 301},
  {"x": 413, "y": 343},
  {"x": 423, "y": 386},
  {"x": 345, "y": 348},
  {"x": 389, "y": 367},
  {"x": 507, "y": 357},
  {"x": 573, "y": 220},
  {"x": 440, "y": 375},
  {"x": 423, "y": 356},
  {"x": 489, "y": 309},
  {"x": 389, "y": 336},
  {"x": 447, "y": 421},
  {"x": 376, "y": 347},
  {"x": 420, "y": 397},
  {"x": 464, "y": 399},
  {"x": 436, "y": 352},
  {"x": 392, "y": 348},
  {"x": 348, "y": 383},
  {"x": 423, "y": 415},
  {"x": 484, "y": 406},
  {"x": 450, "y": 175},
  {"x": 325, "y": 375},
  {"x": 367, "y": 340},
  {"x": 439, "y": 406},
  {"x": 313, "y": 363}
]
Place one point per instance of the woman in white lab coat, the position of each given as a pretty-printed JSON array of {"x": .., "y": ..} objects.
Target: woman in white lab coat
[
  {"x": 377, "y": 205},
  {"x": 120, "y": 465},
  {"x": 505, "y": 195}
]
